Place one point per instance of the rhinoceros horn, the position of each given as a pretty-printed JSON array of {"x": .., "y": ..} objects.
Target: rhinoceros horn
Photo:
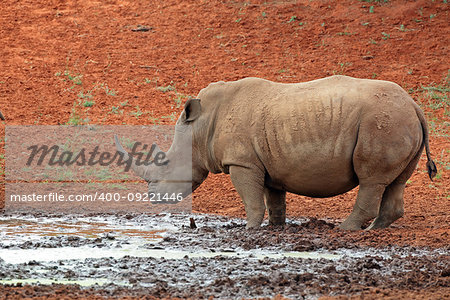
[
  {"x": 1, "y": 116},
  {"x": 140, "y": 170}
]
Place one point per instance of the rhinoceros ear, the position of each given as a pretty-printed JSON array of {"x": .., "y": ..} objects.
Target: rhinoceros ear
[{"x": 192, "y": 109}]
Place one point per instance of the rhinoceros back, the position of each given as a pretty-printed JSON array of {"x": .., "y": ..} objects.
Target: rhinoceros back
[{"x": 305, "y": 134}]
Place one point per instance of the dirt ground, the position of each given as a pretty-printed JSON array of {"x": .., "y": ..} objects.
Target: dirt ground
[{"x": 136, "y": 62}]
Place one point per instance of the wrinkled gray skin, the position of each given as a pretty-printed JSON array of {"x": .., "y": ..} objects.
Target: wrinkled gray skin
[{"x": 319, "y": 139}]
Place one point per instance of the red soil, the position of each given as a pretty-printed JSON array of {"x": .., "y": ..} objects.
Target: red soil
[{"x": 190, "y": 44}]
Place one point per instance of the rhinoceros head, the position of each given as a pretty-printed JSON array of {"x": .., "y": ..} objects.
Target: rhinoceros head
[{"x": 175, "y": 174}]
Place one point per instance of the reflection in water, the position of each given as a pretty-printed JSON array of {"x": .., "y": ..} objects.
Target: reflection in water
[{"x": 13, "y": 229}]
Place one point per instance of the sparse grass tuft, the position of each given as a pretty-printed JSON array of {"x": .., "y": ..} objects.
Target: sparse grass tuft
[
  {"x": 165, "y": 89},
  {"x": 292, "y": 19},
  {"x": 178, "y": 97},
  {"x": 85, "y": 96},
  {"x": 434, "y": 99},
  {"x": 76, "y": 116},
  {"x": 138, "y": 112},
  {"x": 88, "y": 103},
  {"x": 344, "y": 33},
  {"x": 437, "y": 96},
  {"x": 342, "y": 68},
  {"x": 403, "y": 28}
]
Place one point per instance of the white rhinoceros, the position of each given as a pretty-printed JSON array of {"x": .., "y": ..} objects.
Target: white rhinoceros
[{"x": 319, "y": 139}]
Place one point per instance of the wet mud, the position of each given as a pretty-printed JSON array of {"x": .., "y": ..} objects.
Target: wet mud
[{"x": 220, "y": 258}]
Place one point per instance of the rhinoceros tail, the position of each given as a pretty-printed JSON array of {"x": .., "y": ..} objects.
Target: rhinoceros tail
[
  {"x": 431, "y": 166},
  {"x": 432, "y": 170}
]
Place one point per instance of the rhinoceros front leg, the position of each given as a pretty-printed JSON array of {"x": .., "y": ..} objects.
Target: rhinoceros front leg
[
  {"x": 276, "y": 205},
  {"x": 366, "y": 207},
  {"x": 249, "y": 183}
]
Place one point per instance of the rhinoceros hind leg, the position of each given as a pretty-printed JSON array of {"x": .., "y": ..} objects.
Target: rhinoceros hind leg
[
  {"x": 276, "y": 205},
  {"x": 366, "y": 207},
  {"x": 249, "y": 184},
  {"x": 391, "y": 206}
]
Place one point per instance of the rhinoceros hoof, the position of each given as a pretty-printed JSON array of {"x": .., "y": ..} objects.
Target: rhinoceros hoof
[
  {"x": 277, "y": 222},
  {"x": 349, "y": 226}
]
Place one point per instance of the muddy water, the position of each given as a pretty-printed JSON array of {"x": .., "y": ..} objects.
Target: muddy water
[{"x": 161, "y": 255}]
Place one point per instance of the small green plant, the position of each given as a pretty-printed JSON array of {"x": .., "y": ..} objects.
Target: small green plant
[
  {"x": 443, "y": 160},
  {"x": 85, "y": 95},
  {"x": 238, "y": 20},
  {"x": 88, "y": 103},
  {"x": 438, "y": 175},
  {"x": 292, "y": 19},
  {"x": 103, "y": 174},
  {"x": 371, "y": 9},
  {"x": 76, "y": 115},
  {"x": 342, "y": 68},
  {"x": 154, "y": 120},
  {"x": 171, "y": 117},
  {"x": 402, "y": 28},
  {"x": 385, "y": 35},
  {"x": 148, "y": 81},
  {"x": 346, "y": 33},
  {"x": 372, "y": 41},
  {"x": 116, "y": 110},
  {"x": 137, "y": 113},
  {"x": 109, "y": 92},
  {"x": 68, "y": 76},
  {"x": 178, "y": 99},
  {"x": 437, "y": 96},
  {"x": 439, "y": 128},
  {"x": 165, "y": 89}
]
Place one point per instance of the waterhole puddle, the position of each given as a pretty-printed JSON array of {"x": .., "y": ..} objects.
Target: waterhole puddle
[
  {"x": 29, "y": 238},
  {"x": 18, "y": 256},
  {"x": 19, "y": 229},
  {"x": 45, "y": 281}
]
